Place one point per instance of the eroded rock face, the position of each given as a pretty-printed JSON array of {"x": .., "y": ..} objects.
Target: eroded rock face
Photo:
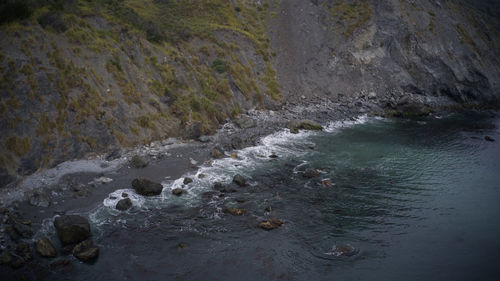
[
  {"x": 86, "y": 251},
  {"x": 72, "y": 229},
  {"x": 146, "y": 187}
]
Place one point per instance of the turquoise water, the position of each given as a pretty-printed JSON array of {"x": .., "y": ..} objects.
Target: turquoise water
[{"x": 410, "y": 199}]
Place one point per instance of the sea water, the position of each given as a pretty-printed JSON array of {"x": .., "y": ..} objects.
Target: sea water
[{"x": 394, "y": 200}]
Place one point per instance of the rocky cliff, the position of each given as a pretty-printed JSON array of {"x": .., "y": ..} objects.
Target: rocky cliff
[{"x": 83, "y": 77}]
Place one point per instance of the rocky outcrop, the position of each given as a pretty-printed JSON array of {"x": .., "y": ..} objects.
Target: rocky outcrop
[
  {"x": 146, "y": 187},
  {"x": 72, "y": 229}
]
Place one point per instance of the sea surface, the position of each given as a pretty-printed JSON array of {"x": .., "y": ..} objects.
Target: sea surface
[{"x": 394, "y": 200}]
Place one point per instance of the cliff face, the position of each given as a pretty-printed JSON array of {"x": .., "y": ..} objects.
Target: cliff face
[
  {"x": 390, "y": 47},
  {"x": 86, "y": 76}
]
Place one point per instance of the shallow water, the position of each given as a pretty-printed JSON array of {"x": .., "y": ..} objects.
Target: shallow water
[{"x": 412, "y": 199}]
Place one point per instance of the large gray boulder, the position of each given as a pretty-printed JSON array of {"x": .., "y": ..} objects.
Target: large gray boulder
[
  {"x": 146, "y": 187},
  {"x": 72, "y": 229}
]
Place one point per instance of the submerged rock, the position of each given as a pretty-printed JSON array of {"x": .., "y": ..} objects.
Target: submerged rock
[
  {"x": 86, "y": 251},
  {"x": 179, "y": 191},
  {"x": 39, "y": 199},
  {"x": 311, "y": 173},
  {"x": 5, "y": 257},
  {"x": 138, "y": 162},
  {"x": 326, "y": 183},
  {"x": 72, "y": 229},
  {"x": 124, "y": 204},
  {"x": 270, "y": 224},
  {"x": 235, "y": 211},
  {"x": 45, "y": 248},
  {"x": 146, "y": 187},
  {"x": 239, "y": 180}
]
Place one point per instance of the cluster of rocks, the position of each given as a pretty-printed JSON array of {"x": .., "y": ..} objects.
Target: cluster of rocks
[{"x": 73, "y": 232}]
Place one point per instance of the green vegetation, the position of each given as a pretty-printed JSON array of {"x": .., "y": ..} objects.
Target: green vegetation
[
  {"x": 219, "y": 65},
  {"x": 19, "y": 146},
  {"x": 351, "y": 16}
]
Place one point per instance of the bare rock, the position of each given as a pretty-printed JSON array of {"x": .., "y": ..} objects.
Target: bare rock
[
  {"x": 45, "y": 248},
  {"x": 270, "y": 224},
  {"x": 72, "y": 229},
  {"x": 124, "y": 204},
  {"x": 146, "y": 187},
  {"x": 86, "y": 251}
]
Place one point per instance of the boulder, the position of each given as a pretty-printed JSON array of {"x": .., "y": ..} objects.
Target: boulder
[
  {"x": 44, "y": 248},
  {"x": 124, "y": 204},
  {"x": 488, "y": 138},
  {"x": 311, "y": 173},
  {"x": 23, "y": 229},
  {"x": 270, "y": 224},
  {"x": 216, "y": 153},
  {"x": 245, "y": 122},
  {"x": 146, "y": 187},
  {"x": 86, "y": 251},
  {"x": 235, "y": 211},
  {"x": 39, "y": 199},
  {"x": 179, "y": 191},
  {"x": 115, "y": 154},
  {"x": 138, "y": 162},
  {"x": 304, "y": 125},
  {"x": 72, "y": 229},
  {"x": 187, "y": 180},
  {"x": 5, "y": 257},
  {"x": 239, "y": 180}
]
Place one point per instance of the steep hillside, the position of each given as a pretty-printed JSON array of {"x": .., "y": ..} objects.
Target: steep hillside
[
  {"x": 85, "y": 76},
  {"x": 82, "y": 76}
]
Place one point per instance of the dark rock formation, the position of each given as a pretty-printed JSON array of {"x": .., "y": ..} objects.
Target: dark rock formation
[
  {"x": 45, "y": 248},
  {"x": 146, "y": 187},
  {"x": 124, "y": 204},
  {"x": 86, "y": 251},
  {"x": 72, "y": 229}
]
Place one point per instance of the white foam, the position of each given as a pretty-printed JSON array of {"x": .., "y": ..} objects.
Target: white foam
[{"x": 335, "y": 126}]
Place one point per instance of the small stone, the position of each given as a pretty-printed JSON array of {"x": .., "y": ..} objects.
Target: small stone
[
  {"x": 124, "y": 195},
  {"x": 239, "y": 180},
  {"x": 201, "y": 176},
  {"x": 311, "y": 173},
  {"x": 124, "y": 204},
  {"x": 138, "y": 162},
  {"x": 86, "y": 251},
  {"x": 488, "y": 138},
  {"x": 179, "y": 191},
  {"x": 115, "y": 154},
  {"x": 273, "y": 155},
  {"x": 235, "y": 211},
  {"x": 270, "y": 224},
  {"x": 45, "y": 248},
  {"x": 326, "y": 182},
  {"x": 234, "y": 155},
  {"x": 187, "y": 180}
]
